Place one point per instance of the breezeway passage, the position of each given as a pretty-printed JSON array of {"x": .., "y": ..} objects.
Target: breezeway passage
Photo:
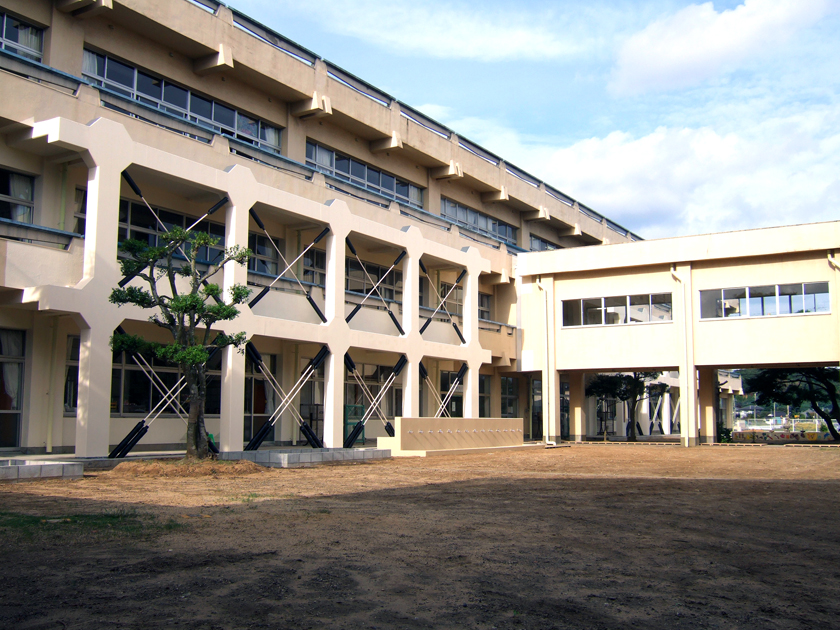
[{"x": 580, "y": 537}]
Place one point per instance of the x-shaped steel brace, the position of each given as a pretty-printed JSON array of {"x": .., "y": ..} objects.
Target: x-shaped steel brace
[
  {"x": 442, "y": 304},
  {"x": 375, "y": 402},
  {"x": 289, "y": 266},
  {"x": 375, "y": 288}
]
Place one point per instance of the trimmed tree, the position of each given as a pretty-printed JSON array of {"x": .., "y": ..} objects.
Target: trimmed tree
[
  {"x": 628, "y": 388},
  {"x": 188, "y": 313},
  {"x": 816, "y": 387}
]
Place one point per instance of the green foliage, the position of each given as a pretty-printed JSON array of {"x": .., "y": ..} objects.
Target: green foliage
[
  {"x": 624, "y": 387},
  {"x": 188, "y": 312},
  {"x": 817, "y": 387}
]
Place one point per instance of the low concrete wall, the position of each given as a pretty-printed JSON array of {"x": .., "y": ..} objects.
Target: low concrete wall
[
  {"x": 293, "y": 458},
  {"x": 22, "y": 469},
  {"x": 419, "y": 436}
]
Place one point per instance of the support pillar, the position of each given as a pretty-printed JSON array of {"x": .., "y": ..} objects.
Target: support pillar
[
  {"x": 232, "y": 420},
  {"x": 706, "y": 399},
  {"x": 93, "y": 411},
  {"x": 471, "y": 392},
  {"x": 411, "y": 389},
  {"x": 577, "y": 406},
  {"x": 666, "y": 413},
  {"x": 334, "y": 398}
]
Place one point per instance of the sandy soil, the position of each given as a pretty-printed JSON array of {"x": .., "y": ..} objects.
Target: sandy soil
[{"x": 582, "y": 537}]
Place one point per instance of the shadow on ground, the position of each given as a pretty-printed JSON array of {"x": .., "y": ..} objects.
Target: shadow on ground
[{"x": 540, "y": 553}]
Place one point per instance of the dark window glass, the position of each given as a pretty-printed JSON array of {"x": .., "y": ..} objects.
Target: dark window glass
[
  {"x": 142, "y": 218},
  {"x": 247, "y": 125},
  {"x": 710, "y": 304},
  {"x": 224, "y": 115},
  {"x": 310, "y": 151},
  {"x": 357, "y": 169},
  {"x": 120, "y": 73},
  {"x": 402, "y": 189},
  {"x": 373, "y": 176},
  {"x": 342, "y": 164},
  {"x": 571, "y": 313},
  {"x": 201, "y": 107},
  {"x": 175, "y": 95},
  {"x": 150, "y": 86},
  {"x": 388, "y": 182}
]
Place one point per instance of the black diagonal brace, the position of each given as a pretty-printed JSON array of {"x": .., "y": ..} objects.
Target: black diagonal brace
[
  {"x": 289, "y": 265},
  {"x": 452, "y": 389},
  {"x": 307, "y": 431},
  {"x": 442, "y": 302},
  {"x": 375, "y": 288},
  {"x": 375, "y": 403}
]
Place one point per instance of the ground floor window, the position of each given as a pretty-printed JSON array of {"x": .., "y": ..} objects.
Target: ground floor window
[
  {"x": 11, "y": 386},
  {"x": 455, "y": 407},
  {"x": 484, "y": 395},
  {"x": 510, "y": 397},
  {"x": 260, "y": 398}
]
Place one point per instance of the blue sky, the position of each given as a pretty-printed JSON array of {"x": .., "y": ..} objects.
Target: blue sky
[{"x": 668, "y": 117}]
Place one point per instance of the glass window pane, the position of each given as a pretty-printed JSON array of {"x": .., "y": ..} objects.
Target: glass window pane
[
  {"x": 816, "y": 298},
  {"x": 247, "y": 125},
  {"x": 357, "y": 169},
  {"x": 762, "y": 301},
  {"x": 136, "y": 392},
  {"x": 24, "y": 34},
  {"x": 639, "y": 308},
  {"x": 372, "y": 176},
  {"x": 734, "y": 302},
  {"x": 790, "y": 299},
  {"x": 224, "y": 115},
  {"x": 388, "y": 182},
  {"x": 592, "y": 312},
  {"x": 142, "y": 218},
  {"x": 310, "y": 152},
  {"x": 615, "y": 310},
  {"x": 710, "y": 304},
  {"x": 120, "y": 73},
  {"x": 201, "y": 106},
  {"x": 402, "y": 189},
  {"x": 93, "y": 64},
  {"x": 571, "y": 313},
  {"x": 660, "y": 307},
  {"x": 11, "y": 343},
  {"x": 324, "y": 157},
  {"x": 175, "y": 95},
  {"x": 150, "y": 86},
  {"x": 342, "y": 164}
]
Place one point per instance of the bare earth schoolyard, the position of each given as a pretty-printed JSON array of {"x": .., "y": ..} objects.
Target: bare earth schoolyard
[{"x": 582, "y": 537}]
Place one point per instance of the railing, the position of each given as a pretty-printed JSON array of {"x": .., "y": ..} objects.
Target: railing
[
  {"x": 358, "y": 85},
  {"x": 29, "y": 69},
  {"x": 208, "y": 5},
  {"x": 272, "y": 38},
  {"x": 29, "y": 233},
  {"x": 522, "y": 175},
  {"x": 152, "y": 115},
  {"x": 478, "y": 151},
  {"x": 424, "y": 121},
  {"x": 269, "y": 158},
  {"x": 497, "y": 327}
]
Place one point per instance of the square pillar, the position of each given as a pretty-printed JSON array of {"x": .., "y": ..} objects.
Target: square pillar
[
  {"x": 706, "y": 400},
  {"x": 577, "y": 406},
  {"x": 334, "y": 399},
  {"x": 471, "y": 408},
  {"x": 411, "y": 389},
  {"x": 666, "y": 413},
  {"x": 93, "y": 411},
  {"x": 232, "y": 420}
]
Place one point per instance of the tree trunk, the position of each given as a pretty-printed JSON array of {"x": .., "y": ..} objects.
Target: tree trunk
[
  {"x": 827, "y": 417},
  {"x": 631, "y": 405},
  {"x": 196, "y": 433}
]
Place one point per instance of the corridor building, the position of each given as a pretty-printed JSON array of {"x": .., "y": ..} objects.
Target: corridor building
[{"x": 198, "y": 103}]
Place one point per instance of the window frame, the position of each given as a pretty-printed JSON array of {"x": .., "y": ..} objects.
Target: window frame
[
  {"x": 601, "y": 306},
  {"x": 748, "y": 300},
  {"x": 16, "y": 47},
  {"x": 478, "y": 221},
  {"x": 237, "y": 130}
]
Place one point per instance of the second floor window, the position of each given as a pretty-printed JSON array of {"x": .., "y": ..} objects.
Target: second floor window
[
  {"x": 16, "y": 196},
  {"x": 359, "y": 173},
  {"x": 541, "y": 245},
  {"x": 172, "y": 98},
  {"x": 477, "y": 221},
  {"x": 21, "y": 38}
]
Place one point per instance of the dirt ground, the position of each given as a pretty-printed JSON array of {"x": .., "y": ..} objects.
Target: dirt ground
[{"x": 583, "y": 537}]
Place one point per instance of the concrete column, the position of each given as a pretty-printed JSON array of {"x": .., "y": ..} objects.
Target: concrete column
[
  {"x": 577, "y": 406},
  {"x": 411, "y": 292},
  {"x": 289, "y": 428},
  {"x": 470, "y": 318},
  {"x": 644, "y": 413},
  {"x": 232, "y": 420},
  {"x": 666, "y": 413},
  {"x": 683, "y": 311},
  {"x": 336, "y": 270},
  {"x": 411, "y": 388},
  {"x": 706, "y": 400},
  {"x": 471, "y": 408},
  {"x": 334, "y": 398},
  {"x": 93, "y": 413},
  {"x": 729, "y": 411}
]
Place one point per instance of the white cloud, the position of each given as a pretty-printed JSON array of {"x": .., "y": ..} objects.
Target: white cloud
[
  {"x": 455, "y": 30},
  {"x": 690, "y": 180},
  {"x": 697, "y": 43}
]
